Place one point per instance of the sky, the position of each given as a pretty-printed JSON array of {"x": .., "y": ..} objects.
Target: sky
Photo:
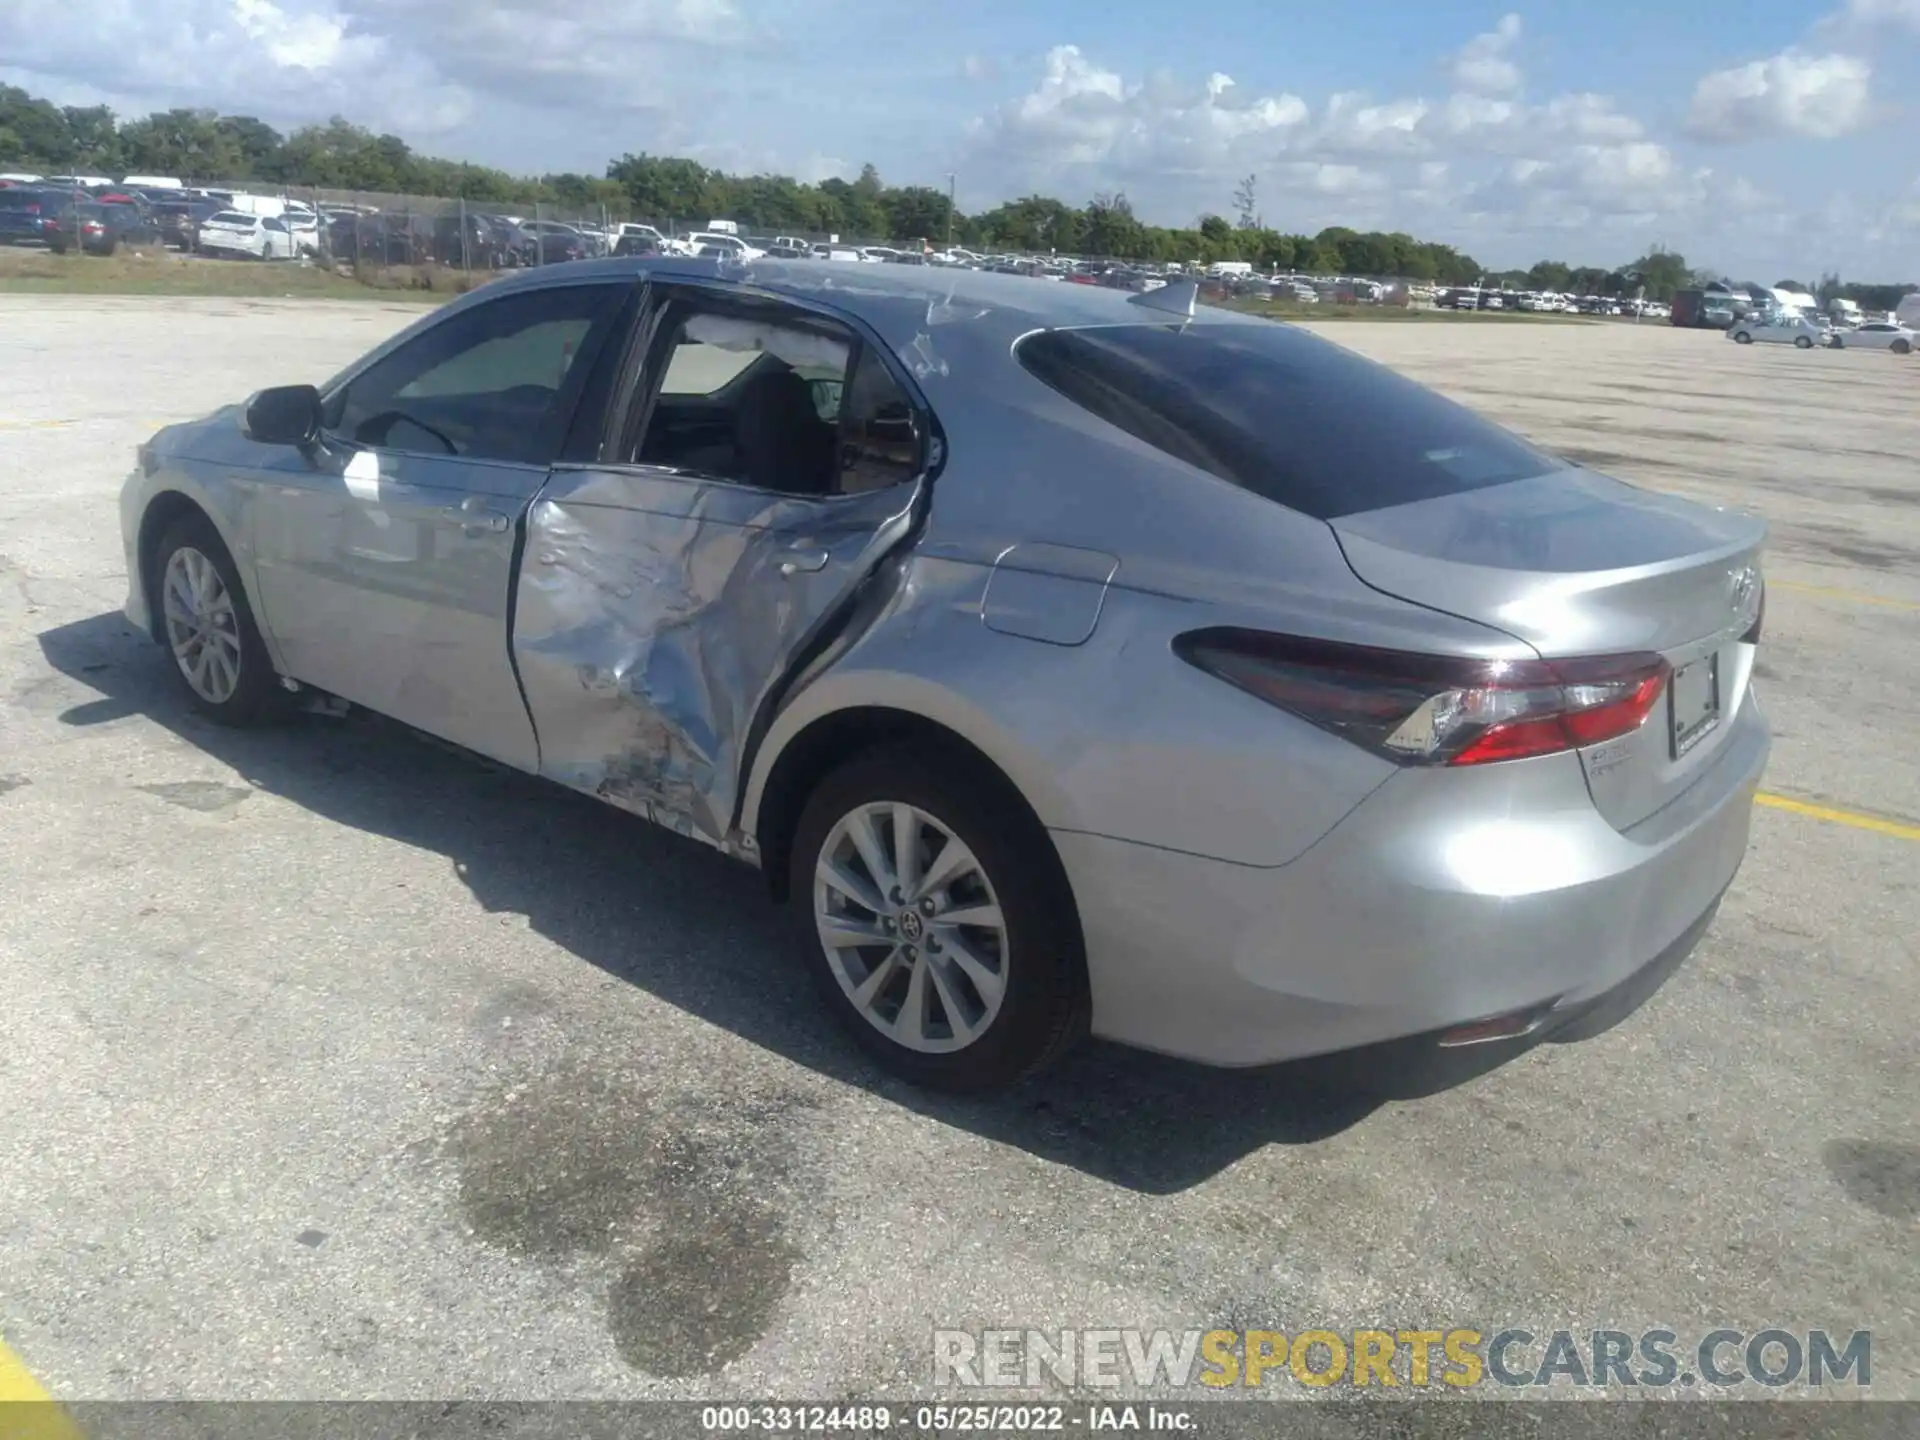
[{"x": 1765, "y": 139}]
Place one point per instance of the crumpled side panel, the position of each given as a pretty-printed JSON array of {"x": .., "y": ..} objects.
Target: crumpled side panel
[{"x": 655, "y": 615}]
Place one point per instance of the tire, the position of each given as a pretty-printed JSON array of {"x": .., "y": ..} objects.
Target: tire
[
  {"x": 1801, "y": 342},
  {"x": 1741, "y": 337},
  {"x": 1034, "y": 956},
  {"x": 238, "y": 686},
  {"x": 1901, "y": 347}
]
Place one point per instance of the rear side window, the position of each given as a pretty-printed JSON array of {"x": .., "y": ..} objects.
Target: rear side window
[{"x": 1300, "y": 421}]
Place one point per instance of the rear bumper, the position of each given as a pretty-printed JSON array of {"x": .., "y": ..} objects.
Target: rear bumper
[{"x": 1440, "y": 900}]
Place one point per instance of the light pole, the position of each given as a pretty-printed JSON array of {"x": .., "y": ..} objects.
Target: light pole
[{"x": 952, "y": 180}]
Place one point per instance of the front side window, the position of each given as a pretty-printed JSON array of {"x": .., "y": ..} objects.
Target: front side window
[
  {"x": 777, "y": 398},
  {"x": 491, "y": 383}
]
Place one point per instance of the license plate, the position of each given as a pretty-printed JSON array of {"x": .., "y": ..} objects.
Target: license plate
[{"x": 1694, "y": 703}]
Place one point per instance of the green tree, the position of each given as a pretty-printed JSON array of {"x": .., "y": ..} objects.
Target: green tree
[
  {"x": 34, "y": 134},
  {"x": 96, "y": 139},
  {"x": 1550, "y": 275},
  {"x": 1661, "y": 270}
]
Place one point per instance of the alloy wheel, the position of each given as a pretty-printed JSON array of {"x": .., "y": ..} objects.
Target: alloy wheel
[
  {"x": 911, "y": 926},
  {"x": 202, "y": 629}
]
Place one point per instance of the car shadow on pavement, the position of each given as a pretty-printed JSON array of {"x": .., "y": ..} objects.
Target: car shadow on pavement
[{"x": 591, "y": 879}]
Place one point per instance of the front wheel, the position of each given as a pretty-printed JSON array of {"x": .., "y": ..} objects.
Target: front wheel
[
  {"x": 1802, "y": 342},
  {"x": 1901, "y": 347},
  {"x": 937, "y": 922},
  {"x": 1741, "y": 337},
  {"x": 209, "y": 629}
]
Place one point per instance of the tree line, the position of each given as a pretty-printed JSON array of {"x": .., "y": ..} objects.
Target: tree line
[{"x": 206, "y": 146}]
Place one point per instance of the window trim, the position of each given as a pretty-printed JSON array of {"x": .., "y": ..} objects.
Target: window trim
[
  {"x": 569, "y": 399},
  {"x": 641, "y": 374}
]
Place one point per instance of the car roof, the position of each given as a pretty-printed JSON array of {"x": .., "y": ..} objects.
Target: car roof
[{"x": 882, "y": 294}]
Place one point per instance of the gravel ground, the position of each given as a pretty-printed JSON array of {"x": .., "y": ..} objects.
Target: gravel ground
[{"x": 332, "y": 1065}]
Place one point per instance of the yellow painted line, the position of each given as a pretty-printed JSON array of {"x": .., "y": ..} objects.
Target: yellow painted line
[
  {"x": 1858, "y": 597},
  {"x": 27, "y": 1412},
  {"x": 1878, "y": 824},
  {"x": 36, "y": 424}
]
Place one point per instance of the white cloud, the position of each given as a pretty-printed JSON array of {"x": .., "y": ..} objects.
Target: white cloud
[
  {"x": 1352, "y": 125},
  {"x": 300, "y": 42},
  {"x": 1792, "y": 93},
  {"x": 420, "y": 66},
  {"x": 1485, "y": 65},
  {"x": 1327, "y": 178},
  {"x": 1873, "y": 13},
  {"x": 1083, "y": 116}
]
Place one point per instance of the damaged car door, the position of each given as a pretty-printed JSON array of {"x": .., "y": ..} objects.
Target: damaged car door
[
  {"x": 768, "y": 458},
  {"x": 385, "y": 554}
]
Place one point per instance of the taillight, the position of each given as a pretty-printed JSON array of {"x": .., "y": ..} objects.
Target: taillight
[{"x": 1418, "y": 709}]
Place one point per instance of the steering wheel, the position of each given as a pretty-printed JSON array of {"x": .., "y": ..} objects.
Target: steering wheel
[{"x": 376, "y": 428}]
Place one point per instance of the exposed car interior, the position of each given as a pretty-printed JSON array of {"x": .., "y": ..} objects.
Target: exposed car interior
[{"x": 750, "y": 401}]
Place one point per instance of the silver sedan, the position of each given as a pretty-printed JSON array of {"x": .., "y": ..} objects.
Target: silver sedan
[{"x": 1065, "y": 660}]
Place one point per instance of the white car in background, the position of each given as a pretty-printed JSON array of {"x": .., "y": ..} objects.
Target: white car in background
[
  {"x": 1778, "y": 329},
  {"x": 1878, "y": 335},
  {"x": 304, "y": 225},
  {"x": 231, "y": 232},
  {"x": 699, "y": 242},
  {"x": 639, "y": 237}
]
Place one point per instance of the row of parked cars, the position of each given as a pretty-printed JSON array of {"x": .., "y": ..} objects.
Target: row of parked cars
[
  {"x": 100, "y": 217},
  {"x": 1810, "y": 330}
]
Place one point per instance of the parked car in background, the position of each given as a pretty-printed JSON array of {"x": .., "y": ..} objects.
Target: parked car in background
[
  {"x": 1877, "y": 335},
  {"x": 1778, "y": 328},
  {"x": 556, "y": 241},
  {"x": 24, "y": 211},
  {"x": 179, "y": 220},
  {"x": 632, "y": 239},
  {"x": 547, "y": 242},
  {"x": 1143, "y": 668},
  {"x": 232, "y": 232},
  {"x": 99, "y": 229}
]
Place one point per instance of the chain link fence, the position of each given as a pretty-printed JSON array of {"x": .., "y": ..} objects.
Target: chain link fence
[{"x": 435, "y": 242}]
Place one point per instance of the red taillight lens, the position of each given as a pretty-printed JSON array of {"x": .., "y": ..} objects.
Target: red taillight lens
[{"x": 1434, "y": 709}]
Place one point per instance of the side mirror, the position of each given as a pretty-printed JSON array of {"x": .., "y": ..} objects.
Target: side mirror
[{"x": 284, "y": 415}]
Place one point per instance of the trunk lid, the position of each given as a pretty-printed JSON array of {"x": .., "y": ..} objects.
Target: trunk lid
[{"x": 1576, "y": 563}]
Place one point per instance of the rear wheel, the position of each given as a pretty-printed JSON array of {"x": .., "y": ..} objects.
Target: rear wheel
[
  {"x": 1901, "y": 347},
  {"x": 1741, "y": 337},
  {"x": 1802, "y": 342},
  {"x": 936, "y": 922},
  {"x": 209, "y": 629}
]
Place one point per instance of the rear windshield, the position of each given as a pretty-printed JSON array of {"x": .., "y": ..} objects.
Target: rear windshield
[
  {"x": 16, "y": 199},
  {"x": 1270, "y": 408},
  {"x": 231, "y": 217}
]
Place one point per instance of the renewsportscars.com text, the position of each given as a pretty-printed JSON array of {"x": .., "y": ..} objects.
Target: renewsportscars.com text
[{"x": 1456, "y": 1358}]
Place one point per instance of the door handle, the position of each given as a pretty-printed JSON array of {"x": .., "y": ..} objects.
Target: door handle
[
  {"x": 475, "y": 520},
  {"x": 804, "y": 562}
]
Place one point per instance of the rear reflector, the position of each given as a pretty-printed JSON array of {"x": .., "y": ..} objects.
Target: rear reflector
[
  {"x": 1419, "y": 709},
  {"x": 1500, "y": 1027}
]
